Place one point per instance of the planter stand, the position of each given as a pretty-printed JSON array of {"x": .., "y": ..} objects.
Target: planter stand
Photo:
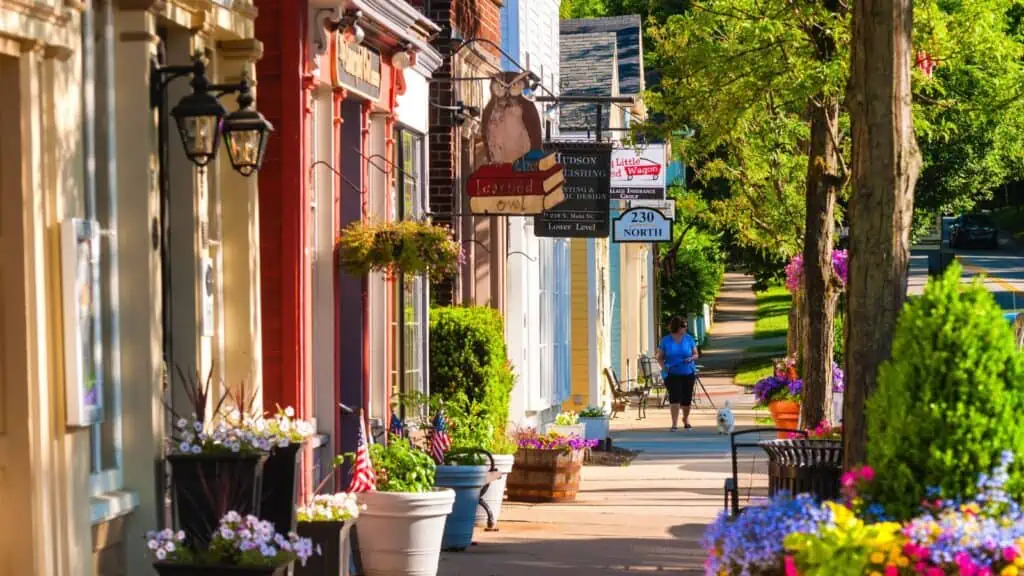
[
  {"x": 205, "y": 487},
  {"x": 804, "y": 466},
  {"x": 280, "y": 491},
  {"x": 491, "y": 496}
]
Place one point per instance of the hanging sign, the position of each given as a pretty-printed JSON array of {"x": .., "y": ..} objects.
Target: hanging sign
[
  {"x": 518, "y": 176},
  {"x": 638, "y": 173},
  {"x": 666, "y": 207},
  {"x": 641, "y": 225},
  {"x": 356, "y": 68},
  {"x": 586, "y": 210}
]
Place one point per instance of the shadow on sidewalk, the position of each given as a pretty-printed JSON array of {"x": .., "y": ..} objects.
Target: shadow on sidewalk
[{"x": 680, "y": 552}]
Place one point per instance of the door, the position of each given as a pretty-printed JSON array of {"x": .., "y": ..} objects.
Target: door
[{"x": 15, "y": 541}]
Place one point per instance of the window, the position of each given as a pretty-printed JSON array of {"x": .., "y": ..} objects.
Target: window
[
  {"x": 547, "y": 321},
  {"x": 410, "y": 319},
  {"x": 562, "y": 301},
  {"x": 98, "y": 104}
]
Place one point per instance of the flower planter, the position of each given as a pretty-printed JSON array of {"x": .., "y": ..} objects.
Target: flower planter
[
  {"x": 574, "y": 430},
  {"x": 206, "y": 486},
  {"x": 466, "y": 481},
  {"x": 495, "y": 493},
  {"x": 400, "y": 533},
  {"x": 165, "y": 569},
  {"x": 596, "y": 428},
  {"x": 331, "y": 538},
  {"x": 280, "y": 491},
  {"x": 786, "y": 414},
  {"x": 545, "y": 475}
]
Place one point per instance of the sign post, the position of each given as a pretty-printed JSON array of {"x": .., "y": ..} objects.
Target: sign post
[{"x": 586, "y": 210}]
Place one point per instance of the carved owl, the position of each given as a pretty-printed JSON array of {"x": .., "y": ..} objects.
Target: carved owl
[{"x": 511, "y": 124}]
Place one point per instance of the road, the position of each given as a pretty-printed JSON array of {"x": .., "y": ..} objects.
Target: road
[{"x": 1002, "y": 269}]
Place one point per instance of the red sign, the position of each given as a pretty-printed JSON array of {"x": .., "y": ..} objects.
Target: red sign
[
  {"x": 643, "y": 170},
  {"x": 499, "y": 189}
]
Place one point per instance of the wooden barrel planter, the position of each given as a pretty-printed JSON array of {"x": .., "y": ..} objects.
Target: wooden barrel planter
[{"x": 545, "y": 475}]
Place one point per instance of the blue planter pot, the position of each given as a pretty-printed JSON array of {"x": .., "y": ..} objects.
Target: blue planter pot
[{"x": 466, "y": 481}]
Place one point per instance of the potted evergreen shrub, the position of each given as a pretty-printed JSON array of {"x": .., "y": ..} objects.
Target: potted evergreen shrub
[
  {"x": 596, "y": 421},
  {"x": 567, "y": 424},
  {"x": 326, "y": 521},
  {"x": 400, "y": 530},
  {"x": 240, "y": 545}
]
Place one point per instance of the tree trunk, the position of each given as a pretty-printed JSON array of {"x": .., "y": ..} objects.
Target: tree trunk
[
  {"x": 823, "y": 182},
  {"x": 886, "y": 164}
]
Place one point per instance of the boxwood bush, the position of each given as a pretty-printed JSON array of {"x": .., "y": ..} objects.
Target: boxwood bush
[
  {"x": 950, "y": 399},
  {"x": 468, "y": 355}
]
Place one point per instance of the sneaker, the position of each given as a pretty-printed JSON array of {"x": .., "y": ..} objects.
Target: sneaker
[
  {"x": 687, "y": 425},
  {"x": 673, "y": 429}
]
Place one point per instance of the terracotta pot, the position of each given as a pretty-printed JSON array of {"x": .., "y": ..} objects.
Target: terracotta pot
[
  {"x": 786, "y": 414},
  {"x": 791, "y": 372}
]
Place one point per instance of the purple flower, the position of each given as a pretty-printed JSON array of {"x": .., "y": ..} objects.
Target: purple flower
[
  {"x": 838, "y": 378},
  {"x": 795, "y": 269}
]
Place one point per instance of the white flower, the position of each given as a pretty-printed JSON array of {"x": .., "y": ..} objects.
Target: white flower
[
  {"x": 182, "y": 423},
  {"x": 179, "y": 535},
  {"x": 197, "y": 426},
  {"x": 289, "y": 412},
  {"x": 232, "y": 516},
  {"x": 161, "y": 554},
  {"x": 153, "y": 544},
  {"x": 184, "y": 447},
  {"x": 196, "y": 449}
]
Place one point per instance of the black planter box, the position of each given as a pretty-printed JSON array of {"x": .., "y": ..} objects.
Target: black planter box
[
  {"x": 164, "y": 569},
  {"x": 280, "y": 491},
  {"x": 207, "y": 486},
  {"x": 326, "y": 535}
]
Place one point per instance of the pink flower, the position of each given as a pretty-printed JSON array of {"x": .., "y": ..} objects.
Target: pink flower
[
  {"x": 867, "y": 473},
  {"x": 936, "y": 571},
  {"x": 791, "y": 567},
  {"x": 848, "y": 479},
  {"x": 891, "y": 570},
  {"x": 1010, "y": 554}
]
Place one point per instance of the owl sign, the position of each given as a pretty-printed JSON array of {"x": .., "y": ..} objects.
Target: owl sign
[{"x": 518, "y": 177}]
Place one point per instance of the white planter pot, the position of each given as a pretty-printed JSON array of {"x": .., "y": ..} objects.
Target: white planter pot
[
  {"x": 597, "y": 428},
  {"x": 496, "y": 491},
  {"x": 576, "y": 429},
  {"x": 837, "y": 407},
  {"x": 400, "y": 534}
]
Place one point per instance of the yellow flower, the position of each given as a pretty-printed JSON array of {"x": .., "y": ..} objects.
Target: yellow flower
[
  {"x": 1009, "y": 571},
  {"x": 876, "y": 573},
  {"x": 903, "y": 562},
  {"x": 877, "y": 558}
]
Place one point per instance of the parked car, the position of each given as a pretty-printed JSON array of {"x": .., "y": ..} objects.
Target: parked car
[{"x": 972, "y": 230}]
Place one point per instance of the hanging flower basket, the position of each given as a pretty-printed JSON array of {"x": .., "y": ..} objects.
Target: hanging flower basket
[{"x": 409, "y": 247}]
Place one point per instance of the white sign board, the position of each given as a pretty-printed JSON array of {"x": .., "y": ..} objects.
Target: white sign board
[
  {"x": 638, "y": 173},
  {"x": 666, "y": 207},
  {"x": 641, "y": 225}
]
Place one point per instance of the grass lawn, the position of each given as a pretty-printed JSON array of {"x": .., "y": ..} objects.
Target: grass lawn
[
  {"x": 753, "y": 369},
  {"x": 772, "y": 319}
]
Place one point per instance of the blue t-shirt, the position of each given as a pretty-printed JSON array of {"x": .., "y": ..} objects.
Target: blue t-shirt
[{"x": 677, "y": 354}]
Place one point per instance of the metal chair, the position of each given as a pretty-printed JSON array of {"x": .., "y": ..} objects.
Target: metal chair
[
  {"x": 732, "y": 485},
  {"x": 652, "y": 378},
  {"x": 622, "y": 396}
]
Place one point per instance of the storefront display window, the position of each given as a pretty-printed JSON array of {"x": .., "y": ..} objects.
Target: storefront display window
[{"x": 410, "y": 319}]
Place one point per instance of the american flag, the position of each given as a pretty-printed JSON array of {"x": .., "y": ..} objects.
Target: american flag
[
  {"x": 397, "y": 427},
  {"x": 363, "y": 479},
  {"x": 440, "y": 443}
]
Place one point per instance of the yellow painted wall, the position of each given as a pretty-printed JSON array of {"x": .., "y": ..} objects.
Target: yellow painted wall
[{"x": 580, "y": 335}]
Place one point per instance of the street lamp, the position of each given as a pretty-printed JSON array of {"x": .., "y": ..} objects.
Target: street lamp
[{"x": 201, "y": 118}]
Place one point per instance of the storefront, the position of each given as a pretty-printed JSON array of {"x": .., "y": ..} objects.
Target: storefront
[
  {"x": 352, "y": 107},
  {"x": 115, "y": 226}
]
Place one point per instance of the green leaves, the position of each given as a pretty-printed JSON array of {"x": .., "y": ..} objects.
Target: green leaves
[
  {"x": 400, "y": 467},
  {"x": 949, "y": 401}
]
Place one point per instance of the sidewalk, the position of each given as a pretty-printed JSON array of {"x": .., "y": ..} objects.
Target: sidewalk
[{"x": 648, "y": 516}]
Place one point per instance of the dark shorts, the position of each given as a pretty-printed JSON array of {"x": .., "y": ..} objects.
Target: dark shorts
[{"x": 680, "y": 388}]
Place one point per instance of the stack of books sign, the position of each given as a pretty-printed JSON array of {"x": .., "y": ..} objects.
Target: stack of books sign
[{"x": 530, "y": 185}]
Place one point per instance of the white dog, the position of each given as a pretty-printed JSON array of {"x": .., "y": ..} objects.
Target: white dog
[{"x": 726, "y": 419}]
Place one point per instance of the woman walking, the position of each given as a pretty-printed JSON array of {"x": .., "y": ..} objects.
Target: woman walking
[{"x": 676, "y": 355}]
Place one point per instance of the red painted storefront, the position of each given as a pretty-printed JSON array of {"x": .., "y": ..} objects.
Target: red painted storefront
[{"x": 300, "y": 79}]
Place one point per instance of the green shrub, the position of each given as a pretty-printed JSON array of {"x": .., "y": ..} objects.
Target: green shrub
[
  {"x": 949, "y": 401},
  {"x": 694, "y": 281},
  {"x": 838, "y": 337},
  {"x": 468, "y": 355}
]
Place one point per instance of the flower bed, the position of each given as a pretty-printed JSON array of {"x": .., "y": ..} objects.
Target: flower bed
[{"x": 796, "y": 536}]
